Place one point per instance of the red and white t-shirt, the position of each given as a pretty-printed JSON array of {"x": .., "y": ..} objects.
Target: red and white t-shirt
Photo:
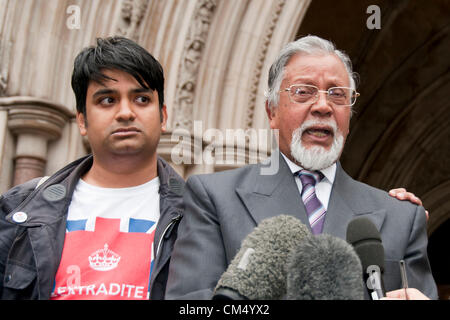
[{"x": 108, "y": 248}]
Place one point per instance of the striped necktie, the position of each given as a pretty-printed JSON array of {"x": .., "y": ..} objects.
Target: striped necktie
[{"x": 314, "y": 208}]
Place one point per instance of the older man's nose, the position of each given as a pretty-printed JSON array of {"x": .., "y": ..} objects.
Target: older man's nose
[{"x": 322, "y": 107}]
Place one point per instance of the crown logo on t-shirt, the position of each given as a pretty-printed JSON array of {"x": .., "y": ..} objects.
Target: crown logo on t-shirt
[{"x": 104, "y": 259}]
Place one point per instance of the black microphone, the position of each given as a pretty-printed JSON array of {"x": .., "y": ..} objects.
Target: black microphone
[
  {"x": 324, "y": 267},
  {"x": 366, "y": 240},
  {"x": 258, "y": 271}
]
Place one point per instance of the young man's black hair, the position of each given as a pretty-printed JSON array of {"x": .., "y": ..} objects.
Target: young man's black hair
[{"x": 115, "y": 53}]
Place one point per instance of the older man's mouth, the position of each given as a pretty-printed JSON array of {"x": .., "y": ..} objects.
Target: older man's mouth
[{"x": 319, "y": 133}]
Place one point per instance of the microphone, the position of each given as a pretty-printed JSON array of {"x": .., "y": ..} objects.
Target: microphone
[
  {"x": 366, "y": 240},
  {"x": 324, "y": 267},
  {"x": 258, "y": 271}
]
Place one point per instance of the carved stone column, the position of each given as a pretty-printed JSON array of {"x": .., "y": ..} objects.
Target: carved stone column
[
  {"x": 33, "y": 122},
  {"x": 131, "y": 16},
  {"x": 191, "y": 61}
]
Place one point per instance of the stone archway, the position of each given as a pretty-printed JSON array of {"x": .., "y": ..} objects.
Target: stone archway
[{"x": 221, "y": 74}]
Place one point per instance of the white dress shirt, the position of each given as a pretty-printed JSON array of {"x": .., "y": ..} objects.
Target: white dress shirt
[{"x": 323, "y": 188}]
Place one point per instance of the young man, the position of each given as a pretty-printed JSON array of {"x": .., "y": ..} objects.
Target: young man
[{"x": 102, "y": 227}]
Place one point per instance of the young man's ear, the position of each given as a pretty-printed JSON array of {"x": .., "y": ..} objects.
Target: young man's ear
[
  {"x": 163, "y": 113},
  {"x": 82, "y": 124}
]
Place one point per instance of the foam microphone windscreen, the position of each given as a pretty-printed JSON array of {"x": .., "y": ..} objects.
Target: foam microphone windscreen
[
  {"x": 258, "y": 271},
  {"x": 324, "y": 267},
  {"x": 365, "y": 238}
]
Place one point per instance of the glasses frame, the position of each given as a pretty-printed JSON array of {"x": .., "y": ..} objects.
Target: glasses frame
[{"x": 289, "y": 89}]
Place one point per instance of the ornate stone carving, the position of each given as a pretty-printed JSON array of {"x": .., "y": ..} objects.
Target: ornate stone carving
[
  {"x": 34, "y": 121},
  {"x": 259, "y": 63},
  {"x": 132, "y": 13},
  {"x": 5, "y": 49},
  {"x": 190, "y": 63}
]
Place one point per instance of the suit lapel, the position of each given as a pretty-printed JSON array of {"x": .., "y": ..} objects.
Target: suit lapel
[
  {"x": 266, "y": 196},
  {"x": 348, "y": 201}
]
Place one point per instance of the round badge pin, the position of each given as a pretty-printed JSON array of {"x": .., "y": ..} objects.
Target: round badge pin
[
  {"x": 20, "y": 217},
  {"x": 54, "y": 192}
]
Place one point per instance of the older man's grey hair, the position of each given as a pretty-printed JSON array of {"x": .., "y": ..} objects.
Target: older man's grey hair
[{"x": 309, "y": 45}]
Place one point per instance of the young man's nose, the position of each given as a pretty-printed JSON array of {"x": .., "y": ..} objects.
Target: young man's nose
[{"x": 125, "y": 111}]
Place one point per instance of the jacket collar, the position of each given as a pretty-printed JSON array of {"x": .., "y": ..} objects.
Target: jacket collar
[
  {"x": 49, "y": 202},
  {"x": 170, "y": 201},
  {"x": 269, "y": 195},
  {"x": 171, "y": 184}
]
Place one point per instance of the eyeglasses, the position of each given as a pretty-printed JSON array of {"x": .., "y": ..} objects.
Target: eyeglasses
[{"x": 309, "y": 94}]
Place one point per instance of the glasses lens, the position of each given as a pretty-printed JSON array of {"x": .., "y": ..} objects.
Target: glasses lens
[
  {"x": 342, "y": 96},
  {"x": 302, "y": 94}
]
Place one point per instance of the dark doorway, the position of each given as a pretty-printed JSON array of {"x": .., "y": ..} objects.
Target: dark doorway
[{"x": 439, "y": 255}]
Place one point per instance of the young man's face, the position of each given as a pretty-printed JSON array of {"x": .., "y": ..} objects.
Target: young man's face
[{"x": 122, "y": 117}]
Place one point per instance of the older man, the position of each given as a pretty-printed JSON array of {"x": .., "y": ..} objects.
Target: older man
[{"x": 311, "y": 92}]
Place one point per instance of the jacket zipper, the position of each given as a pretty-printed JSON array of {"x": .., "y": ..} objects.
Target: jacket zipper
[{"x": 173, "y": 221}]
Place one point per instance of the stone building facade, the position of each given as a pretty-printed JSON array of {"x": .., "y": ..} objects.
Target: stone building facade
[{"x": 216, "y": 55}]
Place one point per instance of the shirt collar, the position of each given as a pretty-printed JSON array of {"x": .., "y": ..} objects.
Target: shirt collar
[{"x": 329, "y": 173}]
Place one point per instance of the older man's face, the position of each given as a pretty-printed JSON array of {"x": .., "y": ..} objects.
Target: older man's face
[{"x": 324, "y": 72}]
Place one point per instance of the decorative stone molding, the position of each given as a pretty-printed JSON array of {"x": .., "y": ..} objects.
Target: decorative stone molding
[
  {"x": 5, "y": 49},
  {"x": 132, "y": 13},
  {"x": 37, "y": 120},
  {"x": 166, "y": 145},
  {"x": 262, "y": 52},
  {"x": 186, "y": 145},
  {"x": 34, "y": 122},
  {"x": 190, "y": 62},
  {"x": 194, "y": 153}
]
